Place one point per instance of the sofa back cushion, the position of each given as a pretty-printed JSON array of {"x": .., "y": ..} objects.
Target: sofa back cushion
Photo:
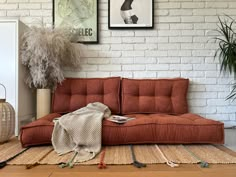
[
  {"x": 154, "y": 96},
  {"x": 75, "y": 93}
]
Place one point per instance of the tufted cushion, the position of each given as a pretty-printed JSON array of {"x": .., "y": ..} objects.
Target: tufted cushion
[
  {"x": 75, "y": 93},
  {"x": 146, "y": 128},
  {"x": 162, "y": 128},
  {"x": 38, "y": 132},
  {"x": 154, "y": 96}
]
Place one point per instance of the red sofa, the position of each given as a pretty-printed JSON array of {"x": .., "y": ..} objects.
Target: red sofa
[{"x": 159, "y": 106}]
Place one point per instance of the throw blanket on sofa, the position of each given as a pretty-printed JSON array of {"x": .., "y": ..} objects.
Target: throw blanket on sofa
[{"x": 80, "y": 131}]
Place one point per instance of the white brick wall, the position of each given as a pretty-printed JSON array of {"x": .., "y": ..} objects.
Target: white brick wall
[{"x": 180, "y": 45}]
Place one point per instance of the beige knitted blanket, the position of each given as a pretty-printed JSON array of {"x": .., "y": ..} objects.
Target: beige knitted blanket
[{"x": 80, "y": 131}]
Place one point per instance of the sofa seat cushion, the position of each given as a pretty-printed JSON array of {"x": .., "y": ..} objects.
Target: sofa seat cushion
[
  {"x": 146, "y": 128},
  {"x": 38, "y": 132},
  {"x": 162, "y": 128}
]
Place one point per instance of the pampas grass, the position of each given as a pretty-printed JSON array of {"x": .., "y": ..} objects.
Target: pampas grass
[{"x": 44, "y": 52}]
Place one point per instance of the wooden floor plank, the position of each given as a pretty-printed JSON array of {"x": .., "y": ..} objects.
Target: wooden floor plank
[
  {"x": 20, "y": 174},
  {"x": 116, "y": 174},
  {"x": 185, "y": 170}
]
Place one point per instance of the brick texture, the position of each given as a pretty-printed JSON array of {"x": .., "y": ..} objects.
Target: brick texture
[{"x": 180, "y": 45}]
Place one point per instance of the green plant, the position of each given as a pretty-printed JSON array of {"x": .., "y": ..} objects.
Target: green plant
[{"x": 227, "y": 50}]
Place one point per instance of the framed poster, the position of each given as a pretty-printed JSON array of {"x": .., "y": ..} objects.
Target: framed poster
[
  {"x": 130, "y": 14},
  {"x": 79, "y": 15}
]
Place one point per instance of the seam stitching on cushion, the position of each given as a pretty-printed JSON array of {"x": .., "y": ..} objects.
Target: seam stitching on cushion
[
  {"x": 163, "y": 124},
  {"x": 172, "y": 106},
  {"x": 155, "y": 96}
]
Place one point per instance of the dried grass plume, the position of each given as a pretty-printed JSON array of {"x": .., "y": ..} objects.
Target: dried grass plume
[{"x": 44, "y": 52}]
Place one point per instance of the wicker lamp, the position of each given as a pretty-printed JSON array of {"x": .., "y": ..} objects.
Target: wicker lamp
[{"x": 7, "y": 119}]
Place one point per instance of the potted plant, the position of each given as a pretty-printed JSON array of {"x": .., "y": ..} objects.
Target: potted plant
[
  {"x": 45, "y": 51},
  {"x": 227, "y": 51}
]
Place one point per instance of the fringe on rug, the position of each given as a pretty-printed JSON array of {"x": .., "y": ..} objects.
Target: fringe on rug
[
  {"x": 135, "y": 162},
  {"x": 168, "y": 162},
  {"x": 102, "y": 164},
  {"x": 203, "y": 164},
  {"x": 4, "y": 163},
  {"x": 29, "y": 166}
]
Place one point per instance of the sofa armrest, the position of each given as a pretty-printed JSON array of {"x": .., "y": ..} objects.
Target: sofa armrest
[{"x": 38, "y": 132}]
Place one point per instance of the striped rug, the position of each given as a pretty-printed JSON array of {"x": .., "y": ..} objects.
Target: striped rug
[{"x": 148, "y": 154}]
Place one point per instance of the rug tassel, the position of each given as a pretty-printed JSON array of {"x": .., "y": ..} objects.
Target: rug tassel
[
  {"x": 203, "y": 164},
  {"x": 4, "y": 163},
  {"x": 29, "y": 166},
  {"x": 168, "y": 162},
  {"x": 135, "y": 162},
  {"x": 102, "y": 164}
]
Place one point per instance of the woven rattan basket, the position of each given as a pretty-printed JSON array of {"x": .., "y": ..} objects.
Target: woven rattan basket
[{"x": 7, "y": 119}]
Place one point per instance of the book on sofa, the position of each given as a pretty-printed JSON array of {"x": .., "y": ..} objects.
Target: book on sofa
[{"x": 119, "y": 119}]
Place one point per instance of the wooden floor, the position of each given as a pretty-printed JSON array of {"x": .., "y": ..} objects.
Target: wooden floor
[{"x": 160, "y": 170}]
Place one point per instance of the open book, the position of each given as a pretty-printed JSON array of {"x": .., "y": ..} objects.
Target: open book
[{"x": 119, "y": 119}]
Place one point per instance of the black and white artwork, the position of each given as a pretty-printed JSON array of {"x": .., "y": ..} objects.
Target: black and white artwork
[{"x": 130, "y": 13}]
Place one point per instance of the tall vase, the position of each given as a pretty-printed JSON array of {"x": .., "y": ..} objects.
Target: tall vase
[{"x": 43, "y": 102}]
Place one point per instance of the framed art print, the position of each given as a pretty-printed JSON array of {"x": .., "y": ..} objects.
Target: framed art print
[
  {"x": 130, "y": 14},
  {"x": 81, "y": 16}
]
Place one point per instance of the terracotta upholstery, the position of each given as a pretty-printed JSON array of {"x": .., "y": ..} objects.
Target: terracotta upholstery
[
  {"x": 38, "y": 132},
  {"x": 154, "y": 96},
  {"x": 159, "y": 106},
  {"x": 163, "y": 128},
  {"x": 146, "y": 128},
  {"x": 76, "y": 93}
]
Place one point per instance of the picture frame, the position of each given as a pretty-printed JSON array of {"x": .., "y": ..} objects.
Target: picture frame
[
  {"x": 81, "y": 16},
  {"x": 130, "y": 14}
]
